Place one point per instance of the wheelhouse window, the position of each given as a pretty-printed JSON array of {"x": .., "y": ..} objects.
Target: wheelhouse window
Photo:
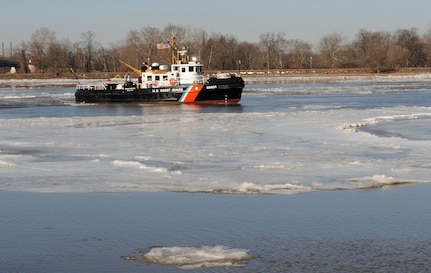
[{"x": 191, "y": 68}]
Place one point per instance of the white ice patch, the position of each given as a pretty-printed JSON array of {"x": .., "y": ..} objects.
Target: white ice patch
[
  {"x": 379, "y": 119},
  {"x": 252, "y": 188},
  {"x": 379, "y": 181},
  {"x": 139, "y": 165},
  {"x": 193, "y": 258},
  {"x": 6, "y": 164},
  {"x": 248, "y": 187}
]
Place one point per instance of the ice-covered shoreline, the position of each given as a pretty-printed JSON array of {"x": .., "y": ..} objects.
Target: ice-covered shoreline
[{"x": 318, "y": 78}]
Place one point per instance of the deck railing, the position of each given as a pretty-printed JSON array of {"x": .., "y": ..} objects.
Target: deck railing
[{"x": 91, "y": 87}]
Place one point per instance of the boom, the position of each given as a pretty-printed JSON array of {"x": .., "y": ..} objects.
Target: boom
[{"x": 137, "y": 71}]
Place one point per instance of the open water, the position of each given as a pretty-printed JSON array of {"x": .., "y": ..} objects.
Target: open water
[{"x": 168, "y": 187}]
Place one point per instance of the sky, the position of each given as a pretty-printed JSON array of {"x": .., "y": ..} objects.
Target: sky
[{"x": 246, "y": 20}]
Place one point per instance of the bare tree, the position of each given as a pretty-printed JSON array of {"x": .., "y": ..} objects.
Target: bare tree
[
  {"x": 219, "y": 52},
  {"x": 300, "y": 53},
  {"x": 65, "y": 58},
  {"x": 371, "y": 49},
  {"x": 397, "y": 56},
  {"x": 378, "y": 50},
  {"x": 23, "y": 62},
  {"x": 329, "y": 46},
  {"x": 427, "y": 45},
  {"x": 88, "y": 40},
  {"x": 248, "y": 54},
  {"x": 133, "y": 51},
  {"x": 410, "y": 40},
  {"x": 198, "y": 39},
  {"x": 41, "y": 40},
  {"x": 150, "y": 37},
  {"x": 273, "y": 45},
  {"x": 108, "y": 59},
  {"x": 179, "y": 31}
]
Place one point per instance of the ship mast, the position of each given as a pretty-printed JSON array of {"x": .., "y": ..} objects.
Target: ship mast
[
  {"x": 174, "y": 58},
  {"x": 177, "y": 56}
]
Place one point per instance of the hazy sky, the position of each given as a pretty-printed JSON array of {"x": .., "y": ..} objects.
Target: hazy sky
[{"x": 307, "y": 20}]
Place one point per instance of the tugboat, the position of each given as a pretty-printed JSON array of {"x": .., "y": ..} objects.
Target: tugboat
[{"x": 183, "y": 83}]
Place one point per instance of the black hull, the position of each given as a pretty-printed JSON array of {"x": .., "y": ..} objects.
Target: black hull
[{"x": 213, "y": 91}]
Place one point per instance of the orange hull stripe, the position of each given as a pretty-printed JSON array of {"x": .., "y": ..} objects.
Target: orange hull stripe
[{"x": 191, "y": 93}]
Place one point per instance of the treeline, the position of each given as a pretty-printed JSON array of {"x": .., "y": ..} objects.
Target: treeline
[{"x": 380, "y": 51}]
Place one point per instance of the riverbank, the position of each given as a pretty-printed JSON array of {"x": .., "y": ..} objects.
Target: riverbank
[
  {"x": 250, "y": 77},
  {"x": 244, "y": 73}
]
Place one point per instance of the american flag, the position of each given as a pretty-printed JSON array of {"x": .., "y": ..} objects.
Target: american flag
[{"x": 164, "y": 45}]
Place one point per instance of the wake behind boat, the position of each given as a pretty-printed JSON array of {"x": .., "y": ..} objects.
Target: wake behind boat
[{"x": 184, "y": 83}]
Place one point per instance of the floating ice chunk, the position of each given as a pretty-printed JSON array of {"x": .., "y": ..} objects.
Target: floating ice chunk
[{"x": 196, "y": 257}]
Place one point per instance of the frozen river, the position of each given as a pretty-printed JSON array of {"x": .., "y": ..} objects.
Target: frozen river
[
  {"x": 124, "y": 187},
  {"x": 281, "y": 138}
]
